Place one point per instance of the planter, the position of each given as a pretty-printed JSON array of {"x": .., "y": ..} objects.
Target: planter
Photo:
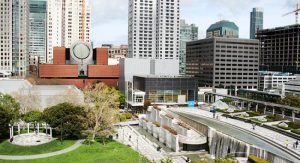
[
  {"x": 162, "y": 135},
  {"x": 156, "y": 131}
]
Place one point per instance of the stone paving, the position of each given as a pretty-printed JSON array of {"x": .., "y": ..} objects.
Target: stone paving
[
  {"x": 269, "y": 134},
  {"x": 144, "y": 146},
  {"x": 31, "y": 139}
]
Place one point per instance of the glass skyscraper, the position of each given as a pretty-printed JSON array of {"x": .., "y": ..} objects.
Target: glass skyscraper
[
  {"x": 256, "y": 21},
  {"x": 38, "y": 30},
  {"x": 187, "y": 33}
]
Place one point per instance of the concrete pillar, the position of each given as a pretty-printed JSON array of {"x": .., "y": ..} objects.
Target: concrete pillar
[
  {"x": 38, "y": 128},
  {"x": 256, "y": 108},
  {"x": 204, "y": 97},
  {"x": 51, "y": 132},
  {"x": 265, "y": 109},
  {"x": 46, "y": 129},
  {"x": 10, "y": 135},
  {"x": 243, "y": 104},
  {"x": 283, "y": 114},
  {"x": 293, "y": 116},
  {"x": 19, "y": 129},
  {"x": 28, "y": 128},
  {"x": 249, "y": 105},
  {"x": 273, "y": 111},
  {"x": 12, "y": 131}
]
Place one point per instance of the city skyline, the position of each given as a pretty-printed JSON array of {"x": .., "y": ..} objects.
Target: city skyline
[{"x": 108, "y": 27}]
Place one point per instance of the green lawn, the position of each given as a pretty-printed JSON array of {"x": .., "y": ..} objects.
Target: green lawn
[
  {"x": 7, "y": 148},
  {"x": 112, "y": 152}
]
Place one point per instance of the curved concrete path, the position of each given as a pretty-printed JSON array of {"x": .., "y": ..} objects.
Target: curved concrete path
[{"x": 31, "y": 157}]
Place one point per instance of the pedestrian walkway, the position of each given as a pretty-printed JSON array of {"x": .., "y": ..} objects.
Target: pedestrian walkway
[
  {"x": 39, "y": 156},
  {"x": 269, "y": 134},
  {"x": 129, "y": 136}
]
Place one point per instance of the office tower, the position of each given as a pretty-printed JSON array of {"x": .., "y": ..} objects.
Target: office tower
[
  {"x": 38, "y": 30},
  {"x": 153, "y": 29},
  {"x": 187, "y": 33},
  {"x": 256, "y": 21},
  {"x": 20, "y": 37},
  {"x": 6, "y": 37},
  {"x": 280, "y": 49},
  {"x": 68, "y": 21},
  {"x": 224, "y": 62},
  {"x": 223, "y": 28}
]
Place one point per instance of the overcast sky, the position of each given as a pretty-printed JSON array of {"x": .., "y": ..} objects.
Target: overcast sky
[{"x": 110, "y": 17}]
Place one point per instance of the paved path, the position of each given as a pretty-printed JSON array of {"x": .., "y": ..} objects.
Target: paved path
[
  {"x": 141, "y": 144},
  {"x": 31, "y": 157},
  {"x": 269, "y": 134}
]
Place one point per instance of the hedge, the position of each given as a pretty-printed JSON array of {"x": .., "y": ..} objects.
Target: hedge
[{"x": 254, "y": 159}]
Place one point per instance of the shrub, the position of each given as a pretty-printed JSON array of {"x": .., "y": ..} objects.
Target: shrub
[
  {"x": 285, "y": 128},
  {"x": 294, "y": 125},
  {"x": 273, "y": 118},
  {"x": 157, "y": 124},
  {"x": 253, "y": 114},
  {"x": 128, "y": 115},
  {"x": 170, "y": 129},
  {"x": 121, "y": 117},
  {"x": 296, "y": 132},
  {"x": 254, "y": 159}
]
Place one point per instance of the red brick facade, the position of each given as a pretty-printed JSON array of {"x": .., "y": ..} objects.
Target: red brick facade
[{"x": 68, "y": 74}]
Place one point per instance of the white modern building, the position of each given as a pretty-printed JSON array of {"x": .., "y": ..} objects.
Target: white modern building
[
  {"x": 153, "y": 29},
  {"x": 270, "y": 80},
  {"x": 130, "y": 67},
  {"x": 45, "y": 95},
  {"x": 68, "y": 21},
  {"x": 6, "y": 36},
  {"x": 14, "y": 43}
]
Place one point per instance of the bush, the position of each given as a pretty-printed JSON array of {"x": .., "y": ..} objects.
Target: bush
[
  {"x": 254, "y": 159},
  {"x": 253, "y": 114},
  {"x": 273, "y": 118},
  {"x": 296, "y": 132},
  {"x": 121, "y": 117},
  {"x": 285, "y": 128},
  {"x": 128, "y": 115},
  {"x": 157, "y": 124},
  {"x": 170, "y": 129},
  {"x": 294, "y": 125}
]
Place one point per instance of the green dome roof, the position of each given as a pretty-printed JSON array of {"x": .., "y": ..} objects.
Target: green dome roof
[{"x": 223, "y": 24}]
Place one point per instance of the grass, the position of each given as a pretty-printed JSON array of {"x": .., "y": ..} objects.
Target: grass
[
  {"x": 253, "y": 114},
  {"x": 112, "y": 152},
  {"x": 296, "y": 131},
  {"x": 6, "y": 148}
]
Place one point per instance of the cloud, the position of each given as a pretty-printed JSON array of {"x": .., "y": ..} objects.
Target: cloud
[{"x": 104, "y": 11}]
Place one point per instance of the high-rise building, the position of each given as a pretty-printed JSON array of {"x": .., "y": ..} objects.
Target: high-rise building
[
  {"x": 187, "y": 33},
  {"x": 68, "y": 21},
  {"x": 6, "y": 37},
  {"x": 20, "y": 37},
  {"x": 153, "y": 29},
  {"x": 224, "y": 62},
  {"x": 280, "y": 49},
  {"x": 38, "y": 30},
  {"x": 223, "y": 28},
  {"x": 256, "y": 21}
]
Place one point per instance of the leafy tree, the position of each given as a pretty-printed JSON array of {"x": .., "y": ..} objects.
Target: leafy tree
[
  {"x": 9, "y": 112},
  {"x": 293, "y": 101},
  {"x": 66, "y": 118},
  {"x": 103, "y": 106},
  {"x": 121, "y": 98},
  {"x": 33, "y": 116}
]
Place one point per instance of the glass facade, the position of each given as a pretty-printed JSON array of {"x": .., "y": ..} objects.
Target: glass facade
[
  {"x": 167, "y": 90},
  {"x": 187, "y": 33},
  {"x": 256, "y": 21},
  {"x": 38, "y": 27}
]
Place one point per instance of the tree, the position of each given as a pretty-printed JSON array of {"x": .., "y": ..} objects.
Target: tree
[
  {"x": 9, "y": 112},
  {"x": 293, "y": 101},
  {"x": 121, "y": 98},
  {"x": 147, "y": 103},
  {"x": 103, "y": 106},
  {"x": 28, "y": 99},
  {"x": 66, "y": 118},
  {"x": 33, "y": 116},
  {"x": 68, "y": 96}
]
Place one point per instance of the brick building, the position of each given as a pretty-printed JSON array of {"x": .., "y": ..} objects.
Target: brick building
[{"x": 80, "y": 65}]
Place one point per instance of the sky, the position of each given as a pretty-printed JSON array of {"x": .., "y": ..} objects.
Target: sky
[{"x": 110, "y": 17}]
